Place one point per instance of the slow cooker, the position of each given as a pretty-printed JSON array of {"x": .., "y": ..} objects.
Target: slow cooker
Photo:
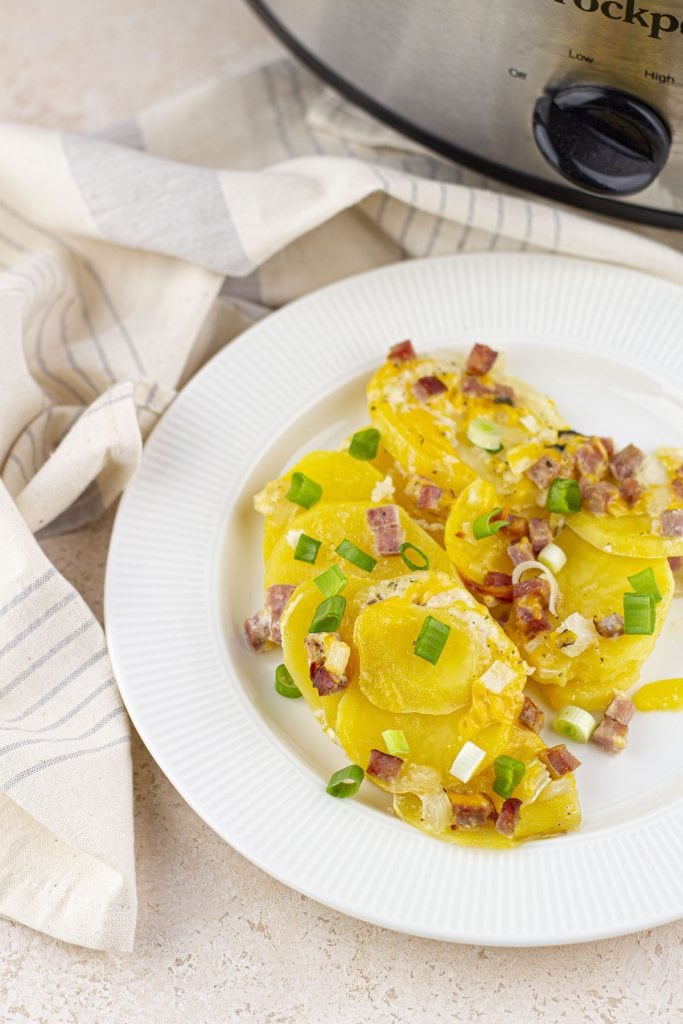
[{"x": 579, "y": 100}]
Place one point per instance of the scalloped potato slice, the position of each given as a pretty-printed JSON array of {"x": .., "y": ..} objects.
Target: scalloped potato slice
[
  {"x": 410, "y": 429},
  {"x": 434, "y": 739},
  {"x": 333, "y": 522},
  {"x": 630, "y": 536},
  {"x": 395, "y": 679},
  {"x": 429, "y": 439},
  {"x": 341, "y": 477},
  {"x": 593, "y": 583}
]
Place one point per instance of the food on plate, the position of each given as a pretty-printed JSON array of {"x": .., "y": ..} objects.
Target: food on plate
[{"x": 464, "y": 559}]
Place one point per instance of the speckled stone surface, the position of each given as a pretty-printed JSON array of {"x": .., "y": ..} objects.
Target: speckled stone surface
[{"x": 218, "y": 941}]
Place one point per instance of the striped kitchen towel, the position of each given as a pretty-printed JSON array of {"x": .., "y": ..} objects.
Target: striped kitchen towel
[{"x": 126, "y": 259}]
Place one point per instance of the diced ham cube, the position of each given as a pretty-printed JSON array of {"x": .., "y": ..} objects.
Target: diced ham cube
[
  {"x": 473, "y": 388},
  {"x": 522, "y": 551},
  {"x": 426, "y": 387},
  {"x": 540, "y": 534},
  {"x": 621, "y": 709},
  {"x": 631, "y": 490},
  {"x": 611, "y": 735},
  {"x": 537, "y": 587},
  {"x": 546, "y": 469},
  {"x": 503, "y": 394},
  {"x": 531, "y": 715},
  {"x": 384, "y": 766},
  {"x": 429, "y": 496},
  {"x": 277, "y": 597},
  {"x": 529, "y": 616},
  {"x": 385, "y": 524},
  {"x": 677, "y": 486},
  {"x": 559, "y": 761},
  {"x": 608, "y": 445},
  {"x": 471, "y": 810},
  {"x": 592, "y": 458},
  {"x": 597, "y": 497},
  {"x": 610, "y": 625},
  {"x": 517, "y": 526},
  {"x": 480, "y": 360},
  {"x": 496, "y": 584},
  {"x": 509, "y": 816},
  {"x": 402, "y": 352},
  {"x": 675, "y": 563},
  {"x": 326, "y": 682},
  {"x": 257, "y": 630},
  {"x": 626, "y": 462},
  {"x": 671, "y": 522}
]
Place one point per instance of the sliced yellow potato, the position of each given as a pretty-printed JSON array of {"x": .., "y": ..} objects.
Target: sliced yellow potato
[
  {"x": 434, "y": 739},
  {"x": 342, "y": 478},
  {"x": 630, "y": 535},
  {"x": 592, "y": 583},
  {"x": 429, "y": 438},
  {"x": 331, "y": 523},
  {"x": 395, "y": 679}
]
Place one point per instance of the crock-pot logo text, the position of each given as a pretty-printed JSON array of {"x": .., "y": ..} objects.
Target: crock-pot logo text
[{"x": 630, "y": 11}]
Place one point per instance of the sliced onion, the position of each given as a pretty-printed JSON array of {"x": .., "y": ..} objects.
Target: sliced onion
[
  {"x": 557, "y": 787},
  {"x": 530, "y": 423},
  {"x": 437, "y": 812},
  {"x": 519, "y": 571},
  {"x": 652, "y": 472},
  {"x": 419, "y": 779},
  {"x": 497, "y": 676},
  {"x": 584, "y": 631}
]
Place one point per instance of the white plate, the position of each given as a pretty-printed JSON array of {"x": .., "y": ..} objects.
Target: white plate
[{"x": 184, "y": 571}]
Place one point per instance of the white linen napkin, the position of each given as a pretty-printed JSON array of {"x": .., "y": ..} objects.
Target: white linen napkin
[{"x": 126, "y": 260}]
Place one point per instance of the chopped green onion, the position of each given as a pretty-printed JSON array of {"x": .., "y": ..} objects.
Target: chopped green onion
[
  {"x": 413, "y": 565},
  {"x": 564, "y": 496},
  {"x": 345, "y": 782},
  {"x": 304, "y": 491},
  {"x": 483, "y": 527},
  {"x": 553, "y": 557},
  {"x": 328, "y": 615},
  {"x": 467, "y": 761},
  {"x": 645, "y": 583},
  {"x": 509, "y": 773},
  {"x": 485, "y": 434},
  {"x": 355, "y": 556},
  {"x": 639, "y": 614},
  {"x": 364, "y": 444},
  {"x": 284, "y": 684},
  {"x": 330, "y": 582},
  {"x": 575, "y": 723},
  {"x": 432, "y": 639},
  {"x": 306, "y": 549},
  {"x": 396, "y": 742}
]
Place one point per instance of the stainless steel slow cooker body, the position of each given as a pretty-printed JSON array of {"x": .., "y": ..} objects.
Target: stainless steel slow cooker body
[{"x": 581, "y": 100}]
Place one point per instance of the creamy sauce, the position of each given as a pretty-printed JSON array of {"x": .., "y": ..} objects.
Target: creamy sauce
[{"x": 664, "y": 695}]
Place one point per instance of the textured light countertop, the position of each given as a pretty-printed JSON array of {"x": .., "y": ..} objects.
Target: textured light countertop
[{"x": 218, "y": 940}]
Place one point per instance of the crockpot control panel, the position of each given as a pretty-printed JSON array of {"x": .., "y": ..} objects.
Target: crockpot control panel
[{"x": 601, "y": 139}]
